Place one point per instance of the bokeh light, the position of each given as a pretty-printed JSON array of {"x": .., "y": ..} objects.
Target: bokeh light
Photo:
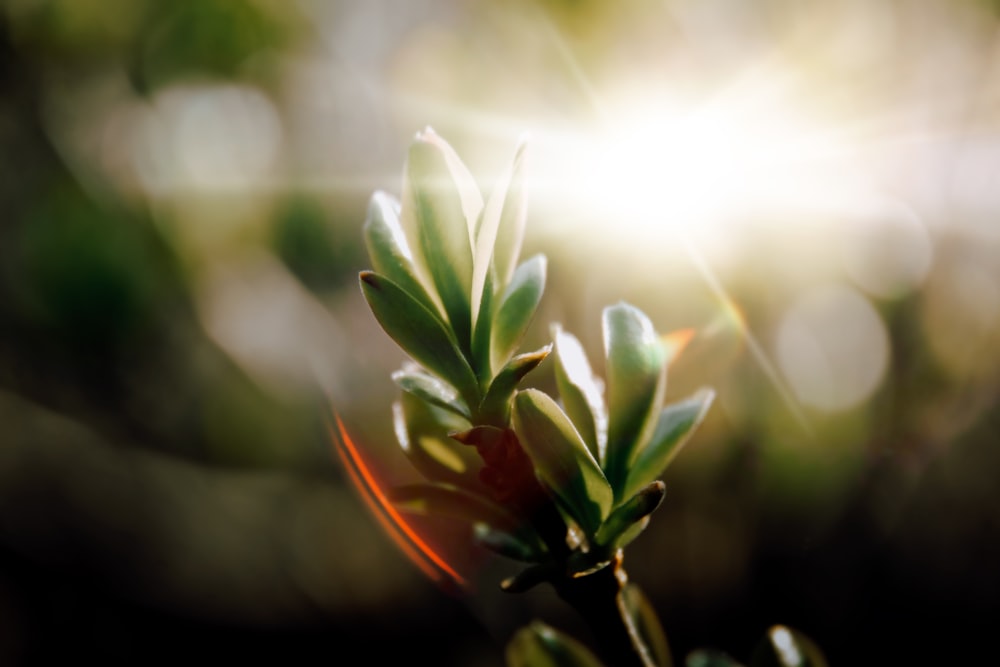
[{"x": 833, "y": 348}]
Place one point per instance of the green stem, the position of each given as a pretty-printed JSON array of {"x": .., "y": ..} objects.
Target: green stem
[{"x": 597, "y": 597}]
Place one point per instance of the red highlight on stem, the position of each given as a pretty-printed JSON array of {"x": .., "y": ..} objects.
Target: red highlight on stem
[{"x": 422, "y": 554}]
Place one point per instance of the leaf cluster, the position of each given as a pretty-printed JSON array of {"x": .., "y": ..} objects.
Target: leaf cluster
[{"x": 449, "y": 287}]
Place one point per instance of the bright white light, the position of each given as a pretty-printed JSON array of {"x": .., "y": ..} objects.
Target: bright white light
[{"x": 664, "y": 167}]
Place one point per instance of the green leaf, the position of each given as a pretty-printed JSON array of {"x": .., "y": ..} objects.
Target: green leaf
[
  {"x": 561, "y": 459},
  {"x": 528, "y": 578},
  {"x": 710, "y": 658},
  {"x": 647, "y": 624},
  {"x": 786, "y": 647},
  {"x": 441, "y": 203},
  {"x": 495, "y": 408},
  {"x": 627, "y": 536},
  {"x": 508, "y": 544},
  {"x": 540, "y": 645},
  {"x": 422, "y": 430},
  {"x": 580, "y": 391},
  {"x": 419, "y": 332},
  {"x": 504, "y": 208},
  {"x": 676, "y": 423},
  {"x": 430, "y": 388},
  {"x": 630, "y": 512},
  {"x": 636, "y": 376},
  {"x": 442, "y": 499},
  {"x": 389, "y": 252},
  {"x": 482, "y": 335},
  {"x": 513, "y": 215},
  {"x": 516, "y": 309}
]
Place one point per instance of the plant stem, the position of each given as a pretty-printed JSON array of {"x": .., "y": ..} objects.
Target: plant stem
[{"x": 597, "y": 597}]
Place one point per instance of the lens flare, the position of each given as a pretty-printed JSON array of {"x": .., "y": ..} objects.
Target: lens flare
[{"x": 420, "y": 552}]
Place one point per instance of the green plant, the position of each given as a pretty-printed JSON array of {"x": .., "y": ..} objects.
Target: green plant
[{"x": 560, "y": 485}]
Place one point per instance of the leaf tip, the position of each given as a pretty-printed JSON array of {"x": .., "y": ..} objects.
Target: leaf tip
[{"x": 707, "y": 396}]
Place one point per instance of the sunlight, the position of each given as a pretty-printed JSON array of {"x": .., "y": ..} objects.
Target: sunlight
[{"x": 666, "y": 166}]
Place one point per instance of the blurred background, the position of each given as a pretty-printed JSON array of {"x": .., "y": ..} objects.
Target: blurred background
[{"x": 813, "y": 187}]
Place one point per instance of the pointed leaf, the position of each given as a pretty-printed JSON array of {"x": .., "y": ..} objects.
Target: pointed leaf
[
  {"x": 461, "y": 178},
  {"x": 676, "y": 423},
  {"x": 628, "y": 536},
  {"x": 540, "y": 645},
  {"x": 786, "y": 647},
  {"x": 431, "y": 389},
  {"x": 504, "y": 206},
  {"x": 419, "y": 332},
  {"x": 495, "y": 408},
  {"x": 482, "y": 335},
  {"x": 647, "y": 624},
  {"x": 630, "y": 512},
  {"x": 562, "y": 461},
  {"x": 528, "y": 578},
  {"x": 422, "y": 431},
  {"x": 439, "y": 196},
  {"x": 636, "y": 376},
  {"x": 389, "y": 251},
  {"x": 507, "y": 544},
  {"x": 517, "y": 308},
  {"x": 444, "y": 499},
  {"x": 580, "y": 391},
  {"x": 513, "y": 215}
]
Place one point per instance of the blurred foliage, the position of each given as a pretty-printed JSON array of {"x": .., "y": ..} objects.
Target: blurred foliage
[{"x": 324, "y": 259}]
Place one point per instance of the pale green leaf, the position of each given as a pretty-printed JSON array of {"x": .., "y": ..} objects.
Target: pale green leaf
[
  {"x": 389, "y": 251},
  {"x": 540, "y": 645},
  {"x": 647, "y": 624},
  {"x": 632, "y": 511},
  {"x": 513, "y": 216},
  {"x": 627, "y": 536},
  {"x": 516, "y": 309},
  {"x": 505, "y": 206},
  {"x": 495, "y": 408},
  {"x": 676, "y": 423},
  {"x": 636, "y": 377},
  {"x": 423, "y": 432},
  {"x": 561, "y": 459},
  {"x": 482, "y": 335},
  {"x": 464, "y": 183},
  {"x": 580, "y": 391},
  {"x": 430, "y": 388},
  {"x": 439, "y": 196},
  {"x": 419, "y": 332}
]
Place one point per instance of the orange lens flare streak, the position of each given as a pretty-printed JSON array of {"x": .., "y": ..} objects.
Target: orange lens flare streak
[
  {"x": 406, "y": 538},
  {"x": 675, "y": 342}
]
